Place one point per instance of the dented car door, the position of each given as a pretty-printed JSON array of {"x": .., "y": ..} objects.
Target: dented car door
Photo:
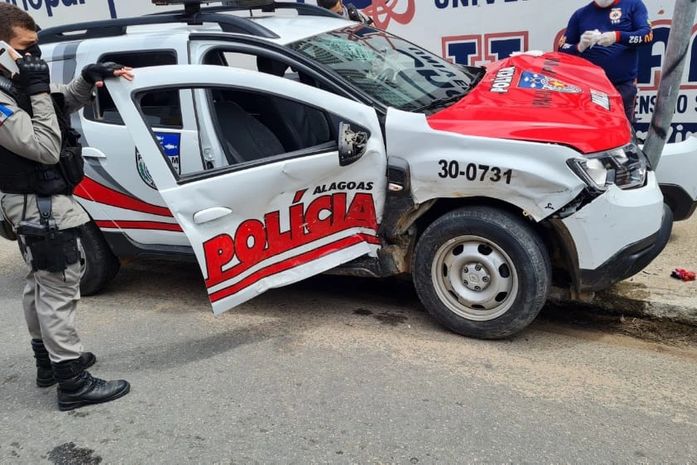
[{"x": 269, "y": 208}]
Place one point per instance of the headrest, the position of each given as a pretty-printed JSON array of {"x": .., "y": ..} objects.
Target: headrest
[{"x": 271, "y": 66}]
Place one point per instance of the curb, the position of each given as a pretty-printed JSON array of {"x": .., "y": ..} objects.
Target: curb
[{"x": 617, "y": 303}]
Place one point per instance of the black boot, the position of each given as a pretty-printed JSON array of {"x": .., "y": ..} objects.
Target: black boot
[
  {"x": 77, "y": 387},
  {"x": 44, "y": 371}
]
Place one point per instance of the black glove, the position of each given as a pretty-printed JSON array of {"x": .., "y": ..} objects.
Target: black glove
[
  {"x": 99, "y": 71},
  {"x": 34, "y": 76}
]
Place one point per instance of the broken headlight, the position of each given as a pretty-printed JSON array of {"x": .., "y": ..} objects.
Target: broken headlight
[{"x": 623, "y": 167}]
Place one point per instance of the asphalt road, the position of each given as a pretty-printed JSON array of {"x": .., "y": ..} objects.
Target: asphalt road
[{"x": 339, "y": 370}]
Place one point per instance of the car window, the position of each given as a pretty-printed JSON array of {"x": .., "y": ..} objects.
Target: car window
[
  {"x": 103, "y": 109},
  {"x": 254, "y": 62},
  {"x": 162, "y": 109},
  {"x": 248, "y": 127},
  {"x": 391, "y": 70}
]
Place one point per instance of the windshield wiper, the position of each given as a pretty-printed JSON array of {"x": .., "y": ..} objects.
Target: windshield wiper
[
  {"x": 447, "y": 101},
  {"x": 480, "y": 76},
  {"x": 441, "y": 103}
]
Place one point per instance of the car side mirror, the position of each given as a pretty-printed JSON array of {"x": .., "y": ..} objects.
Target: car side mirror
[{"x": 353, "y": 143}]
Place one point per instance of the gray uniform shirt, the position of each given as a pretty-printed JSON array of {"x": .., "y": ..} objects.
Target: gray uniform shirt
[{"x": 38, "y": 138}]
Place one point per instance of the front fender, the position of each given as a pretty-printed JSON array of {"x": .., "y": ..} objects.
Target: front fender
[{"x": 540, "y": 182}]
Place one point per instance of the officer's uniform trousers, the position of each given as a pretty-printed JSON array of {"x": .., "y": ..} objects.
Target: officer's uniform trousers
[{"x": 49, "y": 299}]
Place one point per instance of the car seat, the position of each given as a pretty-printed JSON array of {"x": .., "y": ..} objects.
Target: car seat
[
  {"x": 244, "y": 137},
  {"x": 298, "y": 126}
]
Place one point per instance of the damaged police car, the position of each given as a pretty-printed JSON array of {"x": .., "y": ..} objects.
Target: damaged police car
[{"x": 284, "y": 142}]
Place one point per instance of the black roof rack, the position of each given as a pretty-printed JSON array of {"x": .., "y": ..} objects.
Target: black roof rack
[
  {"x": 303, "y": 9},
  {"x": 117, "y": 27},
  {"x": 195, "y": 16}
]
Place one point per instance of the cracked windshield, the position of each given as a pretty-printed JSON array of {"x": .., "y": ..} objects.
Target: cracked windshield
[{"x": 392, "y": 71}]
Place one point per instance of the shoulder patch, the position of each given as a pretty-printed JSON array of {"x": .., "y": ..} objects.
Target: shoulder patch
[{"x": 5, "y": 113}]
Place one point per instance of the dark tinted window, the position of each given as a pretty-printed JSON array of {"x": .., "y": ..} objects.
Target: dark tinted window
[{"x": 104, "y": 110}]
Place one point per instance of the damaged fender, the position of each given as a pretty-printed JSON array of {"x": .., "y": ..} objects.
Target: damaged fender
[{"x": 532, "y": 176}]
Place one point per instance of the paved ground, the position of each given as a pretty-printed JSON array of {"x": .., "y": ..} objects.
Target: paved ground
[
  {"x": 653, "y": 292},
  {"x": 341, "y": 371}
]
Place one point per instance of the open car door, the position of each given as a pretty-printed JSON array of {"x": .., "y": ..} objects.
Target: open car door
[{"x": 293, "y": 182}]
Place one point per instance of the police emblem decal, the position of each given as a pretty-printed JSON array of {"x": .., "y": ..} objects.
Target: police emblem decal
[
  {"x": 530, "y": 80},
  {"x": 171, "y": 147},
  {"x": 615, "y": 15},
  {"x": 143, "y": 171}
]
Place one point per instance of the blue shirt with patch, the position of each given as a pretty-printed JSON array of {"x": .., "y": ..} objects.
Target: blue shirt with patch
[{"x": 628, "y": 19}]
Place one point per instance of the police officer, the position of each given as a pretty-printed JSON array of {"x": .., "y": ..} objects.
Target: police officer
[
  {"x": 608, "y": 33},
  {"x": 40, "y": 163},
  {"x": 347, "y": 11}
]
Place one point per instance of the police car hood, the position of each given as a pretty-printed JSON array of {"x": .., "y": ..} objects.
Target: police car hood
[{"x": 554, "y": 98}]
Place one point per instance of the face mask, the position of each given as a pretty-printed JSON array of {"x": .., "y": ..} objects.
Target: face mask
[
  {"x": 34, "y": 51},
  {"x": 604, "y": 3}
]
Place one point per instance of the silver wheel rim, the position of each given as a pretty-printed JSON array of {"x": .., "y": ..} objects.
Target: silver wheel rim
[{"x": 474, "y": 278}]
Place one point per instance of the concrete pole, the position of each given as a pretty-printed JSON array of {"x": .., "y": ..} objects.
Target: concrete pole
[{"x": 671, "y": 76}]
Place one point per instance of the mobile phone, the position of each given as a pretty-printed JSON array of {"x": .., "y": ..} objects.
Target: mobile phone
[{"x": 7, "y": 59}]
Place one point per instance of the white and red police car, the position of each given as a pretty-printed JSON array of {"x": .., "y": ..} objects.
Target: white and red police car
[{"x": 282, "y": 142}]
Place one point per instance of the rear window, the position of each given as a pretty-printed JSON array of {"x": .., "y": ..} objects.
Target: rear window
[{"x": 104, "y": 110}]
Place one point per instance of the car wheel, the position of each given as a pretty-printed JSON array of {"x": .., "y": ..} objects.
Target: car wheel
[
  {"x": 482, "y": 272},
  {"x": 101, "y": 265}
]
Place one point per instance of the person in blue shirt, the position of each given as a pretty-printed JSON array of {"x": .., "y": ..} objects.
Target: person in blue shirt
[{"x": 608, "y": 33}]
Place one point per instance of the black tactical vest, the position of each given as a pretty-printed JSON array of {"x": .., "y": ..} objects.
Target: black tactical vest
[{"x": 19, "y": 175}]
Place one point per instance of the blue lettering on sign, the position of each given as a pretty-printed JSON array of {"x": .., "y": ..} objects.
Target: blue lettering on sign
[
  {"x": 48, "y": 5},
  {"x": 678, "y": 132},
  {"x": 462, "y": 51},
  {"x": 648, "y": 61},
  {"x": 467, "y": 50},
  {"x": 503, "y": 48},
  {"x": 651, "y": 59},
  {"x": 457, "y": 3}
]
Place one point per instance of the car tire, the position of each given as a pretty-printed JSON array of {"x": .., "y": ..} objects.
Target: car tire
[
  {"x": 482, "y": 272},
  {"x": 101, "y": 265}
]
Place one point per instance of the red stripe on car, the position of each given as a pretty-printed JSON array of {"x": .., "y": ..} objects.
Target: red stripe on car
[
  {"x": 149, "y": 225},
  {"x": 89, "y": 189},
  {"x": 293, "y": 262}
]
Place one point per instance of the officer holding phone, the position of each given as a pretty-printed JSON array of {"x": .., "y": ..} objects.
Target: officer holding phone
[{"x": 40, "y": 164}]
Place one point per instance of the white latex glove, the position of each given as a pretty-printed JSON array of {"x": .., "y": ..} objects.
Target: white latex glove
[
  {"x": 586, "y": 41},
  {"x": 534, "y": 53},
  {"x": 607, "y": 39}
]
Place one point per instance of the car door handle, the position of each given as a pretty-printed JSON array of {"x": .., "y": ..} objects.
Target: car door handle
[
  {"x": 211, "y": 214},
  {"x": 91, "y": 152}
]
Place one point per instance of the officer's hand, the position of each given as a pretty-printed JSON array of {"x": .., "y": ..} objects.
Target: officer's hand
[
  {"x": 586, "y": 41},
  {"x": 607, "y": 39},
  {"x": 34, "y": 76},
  {"x": 97, "y": 72}
]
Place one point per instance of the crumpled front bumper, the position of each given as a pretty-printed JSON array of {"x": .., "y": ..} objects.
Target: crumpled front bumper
[
  {"x": 617, "y": 235},
  {"x": 628, "y": 261}
]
